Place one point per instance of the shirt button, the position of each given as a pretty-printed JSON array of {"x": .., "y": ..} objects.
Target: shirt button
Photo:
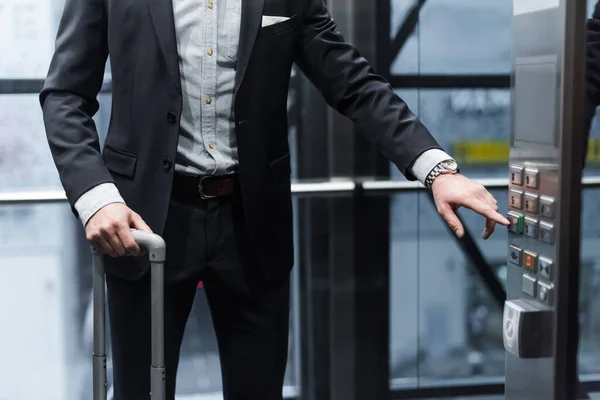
[
  {"x": 211, "y": 146},
  {"x": 171, "y": 117},
  {"x": 210, "y": 52},
  {"x": 208, "y": 100},
  {"x": 210, "y": 5},
  {"x": 167, "y": 164}
]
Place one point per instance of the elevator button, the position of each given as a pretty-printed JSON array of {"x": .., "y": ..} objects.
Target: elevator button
[
  {"x": 530, "y": 260},
  {"x": 545, "y": 267},
  {"x": 531, "y": 177},
  {"x": 547, "y": 206},
  {"x": 516, "y": 199},
  {"x": 515, "y": 255},
  {"x": 516, "y": 222},
  {"x": 529, "y": 284},
  {"x": 545, "y": 293},
  {"x": 516, "y": 175},
  {"x": 547, "y": 232},
  {"x": 531, "y": 203},
  {"x": 531, "y": 227}
]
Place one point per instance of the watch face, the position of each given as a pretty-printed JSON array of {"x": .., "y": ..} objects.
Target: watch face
[{"x": 450, "y": 164}]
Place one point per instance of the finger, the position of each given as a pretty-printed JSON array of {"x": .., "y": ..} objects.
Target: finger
[
  {"x": 483, "y": 208},
  {"x": 103, "y": 246},
  {"x": 111, "y": 236},
  {"x": 491, "y": 200},
  {"x": 138, "y": 223},
  {"x": 490, "y": 226},
  {"x": 452, "y": 220},
  {"x": 128, "y": 241}
]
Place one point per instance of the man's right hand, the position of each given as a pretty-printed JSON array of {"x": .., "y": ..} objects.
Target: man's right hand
[{"x": 109, "y": 230}]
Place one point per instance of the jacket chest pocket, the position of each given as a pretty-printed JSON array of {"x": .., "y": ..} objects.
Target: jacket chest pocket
[{"x": 233, "y": 20}]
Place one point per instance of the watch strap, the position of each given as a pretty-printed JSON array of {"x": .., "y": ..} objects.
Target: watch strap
[{"x": 438, "y": 170}]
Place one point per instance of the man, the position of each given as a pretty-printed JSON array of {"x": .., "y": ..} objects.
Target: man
[{"x": 197, "y": 151}]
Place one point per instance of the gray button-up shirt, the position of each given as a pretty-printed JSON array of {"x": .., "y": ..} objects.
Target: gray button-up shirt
[{"x": 207, "y": 40}]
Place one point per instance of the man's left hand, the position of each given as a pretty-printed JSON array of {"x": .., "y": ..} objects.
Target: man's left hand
[{"x": 452, "y": 191}]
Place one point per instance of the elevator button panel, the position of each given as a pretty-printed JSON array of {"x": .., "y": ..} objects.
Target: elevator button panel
[{"x": 532, "y": 214}]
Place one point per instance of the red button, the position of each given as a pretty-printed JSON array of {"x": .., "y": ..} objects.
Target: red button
[{"x": 530, "y": 261}]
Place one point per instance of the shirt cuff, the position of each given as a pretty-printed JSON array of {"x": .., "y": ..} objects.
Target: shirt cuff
[
  {"x": 426, "y": 162},
  {"x": 96, "y": 198}
]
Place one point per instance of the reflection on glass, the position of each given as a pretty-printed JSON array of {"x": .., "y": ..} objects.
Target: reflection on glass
[{"x": 444, "y": 323}]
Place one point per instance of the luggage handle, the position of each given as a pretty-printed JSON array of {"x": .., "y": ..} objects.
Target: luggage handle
[{"x": 155, "y": 247}]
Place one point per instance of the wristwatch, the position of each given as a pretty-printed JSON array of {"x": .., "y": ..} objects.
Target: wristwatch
[{"x": 445, "y": 167}]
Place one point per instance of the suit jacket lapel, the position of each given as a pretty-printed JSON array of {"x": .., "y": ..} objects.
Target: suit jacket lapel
[
  {"x": 164, "y": 24},
  {"x": 251, "y": 22}
]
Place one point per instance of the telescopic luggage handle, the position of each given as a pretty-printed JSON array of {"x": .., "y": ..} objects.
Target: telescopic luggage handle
[{"x": 155, "y": 247}]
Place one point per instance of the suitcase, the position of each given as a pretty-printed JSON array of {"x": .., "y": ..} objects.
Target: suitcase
[{"x": 154, "y": 247}]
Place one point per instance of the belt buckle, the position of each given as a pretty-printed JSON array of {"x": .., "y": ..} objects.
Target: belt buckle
[{"x": 203, "y": 195}]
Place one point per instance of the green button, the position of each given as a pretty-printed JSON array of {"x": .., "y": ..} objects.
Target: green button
[{"x": 517, "y": 222}]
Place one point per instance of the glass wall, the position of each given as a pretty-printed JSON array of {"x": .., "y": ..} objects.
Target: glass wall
[{"x": 452, "y": 333}]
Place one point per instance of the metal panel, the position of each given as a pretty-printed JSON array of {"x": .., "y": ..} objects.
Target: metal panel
[{"x": 541, "y": 312}]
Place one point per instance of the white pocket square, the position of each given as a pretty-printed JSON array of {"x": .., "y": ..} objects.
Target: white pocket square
[{"x": 269, "y": 20}]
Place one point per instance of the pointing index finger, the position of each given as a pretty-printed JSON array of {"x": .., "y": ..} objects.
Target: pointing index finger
[{"x": 487, "y": 211}]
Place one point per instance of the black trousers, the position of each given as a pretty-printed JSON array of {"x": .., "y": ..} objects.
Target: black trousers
[{"x": 205, "y": 241}]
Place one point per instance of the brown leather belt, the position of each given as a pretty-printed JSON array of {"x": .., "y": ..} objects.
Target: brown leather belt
[{"x": 187, "y": 187}]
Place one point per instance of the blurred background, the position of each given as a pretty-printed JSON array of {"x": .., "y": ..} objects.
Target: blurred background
[{"x": 386, "y": 302}]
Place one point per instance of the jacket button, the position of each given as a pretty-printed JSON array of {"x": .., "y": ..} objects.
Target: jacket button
[
  {"x": 171, "y": 117},
  {"x": 167, "y": 164}
]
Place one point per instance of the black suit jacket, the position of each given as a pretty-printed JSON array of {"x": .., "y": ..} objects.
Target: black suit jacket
[{"x": 142, "y": 137}]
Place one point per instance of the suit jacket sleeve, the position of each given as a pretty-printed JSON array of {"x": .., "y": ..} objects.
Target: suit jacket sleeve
[
  {"x": 349, "y": 85},
  {"x": 592, "y": 85},
  {"x": 68, "y": 98}
]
